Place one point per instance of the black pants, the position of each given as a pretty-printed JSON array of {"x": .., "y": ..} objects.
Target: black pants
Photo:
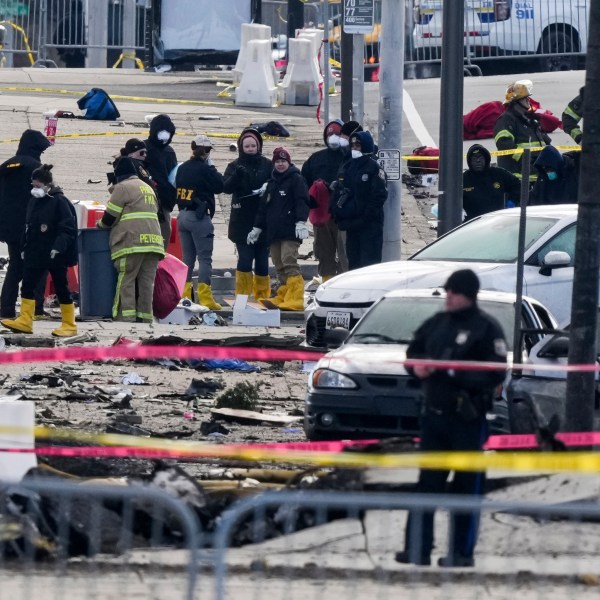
[
  {"x": 33, "y": 275},
  {"x": 10, "y": 288},
  {"x": 364, "y": 246},
  {"x": 440, "y": 433}
]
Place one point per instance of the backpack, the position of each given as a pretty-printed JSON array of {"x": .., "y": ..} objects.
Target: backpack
[
  {"x": 424, "y": 167},
  {"x": 98, "y": 106}
]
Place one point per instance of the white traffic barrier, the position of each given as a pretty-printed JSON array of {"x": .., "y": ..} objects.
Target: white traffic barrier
[
  {"x": 316, "y": 36},
  {"x": 258, "y": 87},
  {"x": 17, "y": 422},
  {"x": 250, "y": 32},
  {"x": 302, "y": 79}
]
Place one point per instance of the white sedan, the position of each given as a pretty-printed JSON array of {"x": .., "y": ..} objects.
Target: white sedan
[{"x": 486, "y": 244}]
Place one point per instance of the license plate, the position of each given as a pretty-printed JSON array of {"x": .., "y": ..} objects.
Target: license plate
[{"x": 338, "y": 319}]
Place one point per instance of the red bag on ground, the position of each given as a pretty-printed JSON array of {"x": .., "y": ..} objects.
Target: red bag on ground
[
  {"x": 424, "y": 167},
  {"x": 168, "y": 285},
  {"x": 320, "y": 193}
]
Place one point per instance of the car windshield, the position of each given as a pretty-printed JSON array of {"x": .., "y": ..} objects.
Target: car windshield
[
  {"x": 492, "y": 238},
  {"x": 394, "y": 320}
]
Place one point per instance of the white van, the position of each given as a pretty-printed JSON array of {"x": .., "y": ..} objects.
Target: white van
[{"x": 554, "y": 29}]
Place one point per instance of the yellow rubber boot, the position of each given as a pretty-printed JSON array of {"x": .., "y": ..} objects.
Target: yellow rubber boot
[
  {"x": 243, "y": 282},
  {"x": 262, "y": 286},
  {"x": 24, "y": 322},
  {"x": 187, "y": 291},
  {"x": 68, "y": 327},
  {"x": 294, "y": 297},
  {"x": 205, "y": 297},
  {"x": 278, "y": 298}
]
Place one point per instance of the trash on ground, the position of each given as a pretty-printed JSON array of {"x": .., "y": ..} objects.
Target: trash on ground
[
  {"x": 133, "y": 379},
  {"x": 228, "y": 364},
  {"x": 252, "y": 417}
]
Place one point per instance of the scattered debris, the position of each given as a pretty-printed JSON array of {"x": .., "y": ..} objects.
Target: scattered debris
[
  {"x": 133, "y": 379},
  {"x": 204, "y": 388},
  {"x": 228, "y": 364},
  {"x": 249, "y": 416}
]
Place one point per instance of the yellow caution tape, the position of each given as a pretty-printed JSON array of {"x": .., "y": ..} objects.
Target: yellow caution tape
[
  {"x": 129, "y": 55},
  {"x": 583, "y": 462},
  {"x": 335, "y": 63},
  {"x": 495, "y": 152},
  {"x": 36, "y": 90}
]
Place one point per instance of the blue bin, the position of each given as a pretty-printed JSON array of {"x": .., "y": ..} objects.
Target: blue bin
[{"x": 97, "y": 274}]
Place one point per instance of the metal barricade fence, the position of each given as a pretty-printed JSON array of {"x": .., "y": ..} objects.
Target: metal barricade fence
[
  {"x": 554, "y": 32},
  {"x": 90, "y": 541},
  {"x": 73, "y": 33},
  {"x": 342, "y": 545}
]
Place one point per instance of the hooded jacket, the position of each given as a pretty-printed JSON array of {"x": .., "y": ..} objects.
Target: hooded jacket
[
  {"x": 51, "y": 224},
  {"x": 241, "y": 183},
  {"x": 15, "y": 184},
  {"x": 359, "y": 195},
  {"x": 564, "y": 189},
  {"x": 323, "y": 164},
  {"x": 515, "y": 130},
  {"x": 161, "y": 160},
  {"x": 284, "y": 203},
  {"x": 487, "y": 190}
]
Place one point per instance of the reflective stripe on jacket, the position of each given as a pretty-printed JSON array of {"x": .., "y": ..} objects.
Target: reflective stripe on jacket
[{"x": 136, "y": 229}]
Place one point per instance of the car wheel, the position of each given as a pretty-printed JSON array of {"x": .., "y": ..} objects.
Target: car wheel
[
  {"x": 522, "y": 418},
  {"x": 562, "y": 45}
]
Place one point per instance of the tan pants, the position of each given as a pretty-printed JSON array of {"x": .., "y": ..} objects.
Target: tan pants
[
  {"x": 284, "y": 254},
  {"x": 135, "y": 270},
  {"x": 330, "y": 249}
]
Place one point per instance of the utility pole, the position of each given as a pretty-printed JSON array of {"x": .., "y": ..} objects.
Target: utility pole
[
  {"x": 579, "y": 412},
  {"x": 295, "y": 18},
  {"x": 390, "y": 120},
  {"x": 451, "y": 117},
  {"x": 347, "y": 48},
  {"x": 97, "y": 27},
  {"x": 129, "y": 33}
]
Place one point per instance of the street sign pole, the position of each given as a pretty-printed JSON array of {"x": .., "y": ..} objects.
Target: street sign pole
[
  {"x": 390, "y": 121},
  {"x": 358, "y": 19}
]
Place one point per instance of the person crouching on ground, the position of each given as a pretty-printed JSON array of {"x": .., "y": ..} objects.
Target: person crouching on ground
[
  {"x": 281, "y": 219},
  {"x": 136, "y": 244},
  {"x": 244, "y": 178},
  {"x": 49, "y": 244},
  {"x": 197, "y": 181}
]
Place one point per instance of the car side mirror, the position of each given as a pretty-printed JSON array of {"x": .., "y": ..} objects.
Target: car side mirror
[
  {"x": 557, "y": 347},
  {"x": 335, "y": 337},
  {"x": 555, "y": 259}
]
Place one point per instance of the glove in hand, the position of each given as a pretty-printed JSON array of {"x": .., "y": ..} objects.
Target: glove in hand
[
  {"x": 301, "y": 230},
  {"x": 53, "y": 253},
  {"x": 253, "y": 236}
]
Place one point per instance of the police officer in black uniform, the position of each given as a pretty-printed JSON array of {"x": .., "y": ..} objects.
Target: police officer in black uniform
[{"x": 454, "y": 408}]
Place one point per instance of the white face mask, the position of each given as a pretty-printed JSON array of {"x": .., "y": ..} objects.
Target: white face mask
[
  {"x": 38, "y": 192},
  {"x": 334, "y": 142},
  {"x": 344, "y": 142},
  {"x": 163, "y": 136},
  {"x": 356, "y": 154}
]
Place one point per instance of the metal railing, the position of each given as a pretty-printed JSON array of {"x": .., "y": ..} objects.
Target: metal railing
[
  {"x": 89, "y": 541},
  {"x": 73, "y": 33},
  {"x": 331, "y": 544}
]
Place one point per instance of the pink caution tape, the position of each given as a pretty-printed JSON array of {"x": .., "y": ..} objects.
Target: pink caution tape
[{"x": 211, "y": 449}]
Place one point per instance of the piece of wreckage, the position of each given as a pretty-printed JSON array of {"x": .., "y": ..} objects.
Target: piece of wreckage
[{"x": 42, "y": 525}]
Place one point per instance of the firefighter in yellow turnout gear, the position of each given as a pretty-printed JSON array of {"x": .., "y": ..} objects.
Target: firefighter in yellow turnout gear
[{"x": 136, "y": 244}]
